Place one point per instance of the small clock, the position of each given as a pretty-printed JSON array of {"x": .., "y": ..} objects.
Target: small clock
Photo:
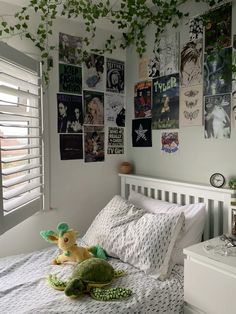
[{"x": 217, "y": 180}]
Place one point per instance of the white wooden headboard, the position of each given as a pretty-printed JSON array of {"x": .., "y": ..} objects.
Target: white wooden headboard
[{"x": 218, "y": 201}]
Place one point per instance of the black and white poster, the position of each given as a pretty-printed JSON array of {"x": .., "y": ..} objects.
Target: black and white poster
[
  {"x": 71, "y": 146},
  {"x": 142, "y": 132},
  {"x": 114, "y": 110},
  {"x": 94, "y": 72},
  {"x": 195, "y": 29},
  {"x": 115, "y": 143},
  {"x": 93, "y": 143},
  {"x": 217, "y": 116},
  {"x": 70, "y": 49},
  {"x": 115, "y": 76},
  {"x": 169, "y": 54},
  {"x": 70, "y": 79},
  {"x": 70, "y": 113},
  {"x": 93, "y": 107},
  {"x": 154, "y": 67}
]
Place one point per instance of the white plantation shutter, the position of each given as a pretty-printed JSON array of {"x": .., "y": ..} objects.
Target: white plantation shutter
[{"x": 21, "y": 150}]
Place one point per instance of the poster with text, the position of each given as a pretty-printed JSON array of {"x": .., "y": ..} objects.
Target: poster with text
[
  {"x": 142, "y": 133},
  {"x": 195, "y": 29},
  {"x": 93, "y": 143},
  {"x": 94, "y": 72},
  {"x": 154, "y": 67},
  {"x": 165, "y": 109},
  {"x": 169, "y": 142},
  {"x": 191, "y": 99},
  {"x": 114, "y": 110},
  {"x": 70, "y": 49},
  {"x": 70, "y": 79},
  {"x": 217, "y": 116},
  {"x": 115, "y": 82},
  {"x": 115, "y": 143},
  {"x": 71, "y": 146},
  {"x": 93, "y": 107},
  {"x": 143, "y": 99},
  {"x": 169, "y": 54}
]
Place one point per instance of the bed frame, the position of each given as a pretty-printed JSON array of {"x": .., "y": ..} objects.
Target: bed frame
[{"x": 218, "y": 201}]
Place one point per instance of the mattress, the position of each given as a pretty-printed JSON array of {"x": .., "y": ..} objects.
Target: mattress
[{"x": 24, "y": 289}]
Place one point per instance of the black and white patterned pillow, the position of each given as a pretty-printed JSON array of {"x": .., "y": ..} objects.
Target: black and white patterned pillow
[{"x": 141, "y": 239}]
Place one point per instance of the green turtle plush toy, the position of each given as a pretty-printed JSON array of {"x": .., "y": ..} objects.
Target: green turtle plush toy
[{"x": 90, "y": 276}]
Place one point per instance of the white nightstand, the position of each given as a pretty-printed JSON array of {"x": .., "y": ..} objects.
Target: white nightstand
[{"x": 209, "y": 281}]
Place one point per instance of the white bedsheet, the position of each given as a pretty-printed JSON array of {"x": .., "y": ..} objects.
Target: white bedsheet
[{"x": 23, "y": 289}]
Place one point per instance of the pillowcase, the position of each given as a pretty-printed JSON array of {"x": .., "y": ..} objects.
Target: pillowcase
[
  {"x": 195, "y": 217},
  {"x": 139, "y": 238}
]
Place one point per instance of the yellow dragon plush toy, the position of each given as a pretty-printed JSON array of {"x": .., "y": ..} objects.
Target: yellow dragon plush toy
[{"x": 66, "y": 241}]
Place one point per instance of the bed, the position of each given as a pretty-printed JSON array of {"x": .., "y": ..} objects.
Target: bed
[{"x": 23, "y": 288}]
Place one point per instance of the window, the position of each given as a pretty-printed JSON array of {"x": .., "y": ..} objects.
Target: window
[{"x": 21, "y": 145}]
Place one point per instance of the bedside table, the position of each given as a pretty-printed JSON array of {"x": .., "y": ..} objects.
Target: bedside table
[{"x": 209, "y": 281}]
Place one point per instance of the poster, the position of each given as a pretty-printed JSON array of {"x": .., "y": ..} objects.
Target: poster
[
  {"x": 71, "y": 146},
  {"x": 143, "y": 68},
  {"x": 191, "y": 63},
  {"x": 234, "y": 110},
  {"x": 169, "y": 54},
  {"x": 93, "y": 107},
  {"x": 70, "y": 79},
  {"x": 94, "y": 72},
  {"x": 169, "y": 142},
  {"x": 143, "y": 99},
  {"x": 165, "y": 110},
  {"x": 115, "y": 76},
  {"x": 114, "y": 110},
  {"x": 93, "y": 143},
  {"x": 217, "y": 72},
  {"x": 191, "y": 99},
  {"x": 154, "y": 67},
  {"x": 217, "y": 116},
  {"x": 70, "y": 49},
  {"x": 70, "y": 116},
  {"x": 142, "y": 133},
  {"x": 115, "y": 141},
  {"x": 195, "y": 29}
]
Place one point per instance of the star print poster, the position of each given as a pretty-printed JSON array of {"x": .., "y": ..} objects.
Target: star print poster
[{"x": 142, "y": 133}]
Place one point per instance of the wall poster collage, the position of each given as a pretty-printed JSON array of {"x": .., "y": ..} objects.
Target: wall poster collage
[{"x": 90, "y": 98}]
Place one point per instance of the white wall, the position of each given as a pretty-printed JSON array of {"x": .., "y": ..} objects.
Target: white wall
[
  {"x": 197, "y": 158},
  {"x": 78, "y": 190}
]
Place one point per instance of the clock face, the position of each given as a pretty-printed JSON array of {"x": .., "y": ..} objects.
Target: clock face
[{"x": 217, "y": 180}]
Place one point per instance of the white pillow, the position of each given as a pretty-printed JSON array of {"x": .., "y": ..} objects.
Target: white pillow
[
  {"x": 195, "y": 217},
  {"x": 139, "y": 238}
]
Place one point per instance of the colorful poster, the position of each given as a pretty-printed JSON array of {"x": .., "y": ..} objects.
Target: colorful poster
[
  {"x": 191, "y": 63},
  {"x": 115, "y": 76},
  {"x": 93, "y": 107},
  {"x": 169, "y": 142},
  {"x": 115, "y": 110},
  {"x": 70, "y": 114},
  {"x": 218, "y": 27},
  {"x": 165, "y": 110},
  {"x": 195, "y": 29},
  {"x": 143, "y": 99},
  {"x": 142, "y": 133},
  {"x": 70, "y": 49},
  {"x": 93, "y": 72},
  {"x": 217, "y": 116},
  {"x": 154, "y": 67},
  {"x": 191, "y": 106},
  {"x": 71, "y": 146},
  {"x": 115, "y": 141},
  {"x": 217, "y": 72},
  {"x": 93, "y": 143},
  {"x": 70, "y": 79},
  {"x": 169, "y": 54}
]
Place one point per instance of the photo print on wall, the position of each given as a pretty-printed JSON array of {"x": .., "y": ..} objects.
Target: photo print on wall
[
  {"x": 143, "y": 99},
  {"x": 70, "y": 49},
  {"x": 70, "y": 79},
  {"x": 114, "y": 110},
  {"x": 93, "y": 72},
  {"x": 195, "y": 29},
  {"x": 71, "y": 146},
  {"x": 93, "y": 107},
  {"x": 169, "y": 142},
  {"x": 115, "y": 143},
  {"x": 142, "y": 132},
  {"x": 115, "y": 82},
  {"x": 165, "y": 110},
  {"x": 169, "y": 54},
  {"x": 93, "y": 143}
]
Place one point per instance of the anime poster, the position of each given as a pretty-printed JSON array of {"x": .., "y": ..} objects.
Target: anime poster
[
  {"x": 93, "y": 72},
  {"x": 169, "y": 54},
  {"x": 217, "y": 72},
  {"x": 191, "y": 106},
  {"x": 165, "y": 109},
  {"x": 143, "y": 99},
  {"x": 70, "y": 116},
  {"x": 217, "y": 116},
  {"x": 191, "y": 63},
  {"x": 114, "y": 110},
  {"x": 115, "y": 141},
  {"x": 93, "y": 107},
  {"x": 195, "y": 29},
  {"x": 115, "y": 76},
  {"x": 169, "y": 142},
  {"x": 70, "y": 79},
  {"x": 70, "y": 49},
  {"x": 142, "y": 133},
  {"x": 154, "y": 67},
  {"x": 94, "y": 143},
  {"x": 218, "y": 27},
  {"x": 71, "y": 146}
]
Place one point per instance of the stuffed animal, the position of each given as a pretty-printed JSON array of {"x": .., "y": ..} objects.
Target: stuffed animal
[{"x": 66, "y": 241}]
